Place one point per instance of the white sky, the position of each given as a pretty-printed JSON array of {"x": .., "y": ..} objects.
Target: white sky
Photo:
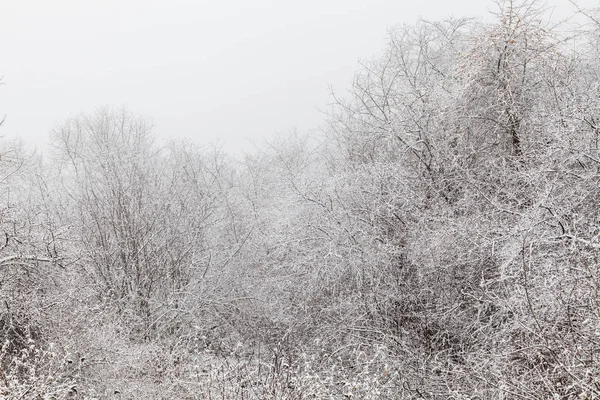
[{"x": 230, "y": 69}]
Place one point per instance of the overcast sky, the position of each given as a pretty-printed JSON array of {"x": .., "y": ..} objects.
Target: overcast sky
[{"x": 229, "y": 69}]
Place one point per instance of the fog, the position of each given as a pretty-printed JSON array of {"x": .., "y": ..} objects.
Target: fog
[{"x": 226, "y": 71}]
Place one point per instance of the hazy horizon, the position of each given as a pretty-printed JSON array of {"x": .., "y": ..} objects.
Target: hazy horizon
[{"x": 208, "y": 71}]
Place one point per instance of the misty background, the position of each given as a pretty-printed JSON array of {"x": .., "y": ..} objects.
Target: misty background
[{"x": 232, "y": 71}]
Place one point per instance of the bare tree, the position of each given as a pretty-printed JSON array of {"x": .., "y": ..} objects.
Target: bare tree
[{"x": 141, "y": 212}]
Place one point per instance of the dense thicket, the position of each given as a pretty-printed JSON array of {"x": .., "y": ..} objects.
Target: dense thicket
[{"x": 441, "y": 241}]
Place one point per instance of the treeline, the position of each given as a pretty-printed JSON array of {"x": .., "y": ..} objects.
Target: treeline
[{"x": 440, "y": 241}]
